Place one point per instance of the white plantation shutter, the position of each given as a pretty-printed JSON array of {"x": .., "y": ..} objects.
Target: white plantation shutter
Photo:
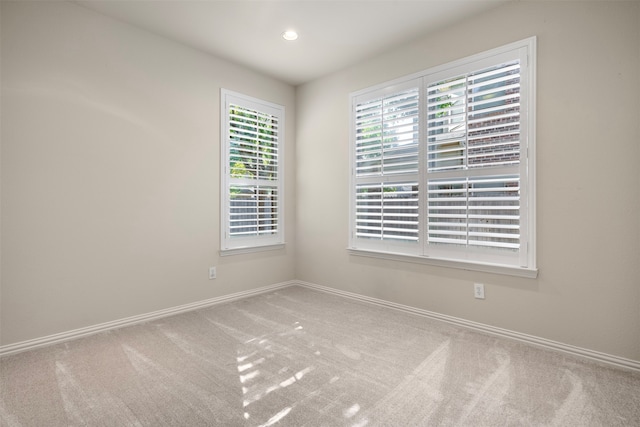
[
  {"x": 253, "y": 161},
  {"x": 493, "y": 118},
  {"x": 386, "y": 135},
  {"x": 386, "y": 153},
  {"x": 253, "y": 210},
  {"x": 387, "y": 211},
  {"x": 443, "y": 164},
  {"x": 474, "y": 120},
  {"x": 447, "y": 211},
  {"x": 253, "y": 141},
  {"x": 473, "y": 123},
  {"x": 446, "y": 121},
  {"x": 252, "y": 176},
  {"x": 494, "y": 211},
  {"x": 481, "y": 212}
]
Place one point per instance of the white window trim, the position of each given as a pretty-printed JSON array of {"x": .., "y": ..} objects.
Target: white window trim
[
  {"x": 238, "y": 246},
  {"x": 528, "y": 203},
  {"x": 251, "y": 249},
  {"x": 529, "y": 273}
]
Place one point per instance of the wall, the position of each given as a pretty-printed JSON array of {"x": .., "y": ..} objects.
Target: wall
[
  {"x": 587, "y": 293},
  {"x": 110, "y": 172}
]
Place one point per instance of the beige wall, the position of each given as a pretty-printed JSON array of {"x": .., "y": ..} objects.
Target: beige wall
[
  {"x": 588, "y": 135},
  {"x": 110, "y": 172}
]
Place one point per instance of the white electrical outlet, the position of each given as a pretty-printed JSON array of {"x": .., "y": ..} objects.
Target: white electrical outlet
[
  {"x": 212, "y": 272},
  {"x": 478, "y": 290}
]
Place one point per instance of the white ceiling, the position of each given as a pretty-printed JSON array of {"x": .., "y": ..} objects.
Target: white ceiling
[{"x": 333, "y": 33}]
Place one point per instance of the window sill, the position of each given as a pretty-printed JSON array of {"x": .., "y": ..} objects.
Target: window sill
[
  {"x": 529, "y": 273},
  {"x": 251, "y": 249}
]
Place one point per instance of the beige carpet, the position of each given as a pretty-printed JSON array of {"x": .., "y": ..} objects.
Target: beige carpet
[{"x": 298, "y": 357}]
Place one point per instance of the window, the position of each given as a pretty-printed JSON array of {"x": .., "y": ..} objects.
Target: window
[
  {"x": 252, "y": 174},
  {"x": 443, "y": 165}
]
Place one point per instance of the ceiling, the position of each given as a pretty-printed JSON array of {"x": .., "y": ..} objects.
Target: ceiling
[{"x": 334, "y": 34}]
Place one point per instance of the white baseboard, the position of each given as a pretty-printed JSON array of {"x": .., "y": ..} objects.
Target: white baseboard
[
  {"x": 90, "y": 330},
  {"x": 530, "y": 339}
]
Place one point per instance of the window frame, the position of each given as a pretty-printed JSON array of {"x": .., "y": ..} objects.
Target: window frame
[
  {"x": 238, "y": 245},
  {"x": 423, "y": 252}
]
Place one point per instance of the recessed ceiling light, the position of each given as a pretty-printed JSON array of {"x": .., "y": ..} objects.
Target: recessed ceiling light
[{"x": 290, "y": 35}]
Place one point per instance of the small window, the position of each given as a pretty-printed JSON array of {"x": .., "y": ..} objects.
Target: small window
[
  {"x": 252, "y": 174},
  {"x": 443, "y": 164}
]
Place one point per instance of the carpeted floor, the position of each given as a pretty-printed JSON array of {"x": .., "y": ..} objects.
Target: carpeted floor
[{"x": 298, "y": 357}]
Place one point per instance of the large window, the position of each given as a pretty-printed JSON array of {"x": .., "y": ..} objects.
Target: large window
[
  {"x": 443, "y": 164},
  {"x": 252, "y": 173}
]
